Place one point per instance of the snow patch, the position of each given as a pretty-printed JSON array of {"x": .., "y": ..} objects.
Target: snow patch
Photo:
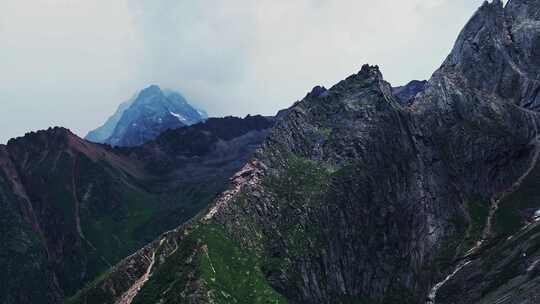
[
  {"x": 179, "y": 116},
  {"x": 537, "y": 215}
]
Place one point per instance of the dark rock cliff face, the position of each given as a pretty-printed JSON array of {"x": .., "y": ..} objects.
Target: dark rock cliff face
[
  {"x": 503, "y": 41},
  {"x": 363, "y": 235},
  {"x": 498, "y": 51},
  {"x": 355, "y": 198},
  {"x": 391, "y": 209},
  {"x": 70, "y": 209}
]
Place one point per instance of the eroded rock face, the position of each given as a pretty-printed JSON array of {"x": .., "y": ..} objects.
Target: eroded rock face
[
  {"x": 498, "y": 51},
  {"x": 356, "y": 198},
  {"x": 381, "y": 223}
]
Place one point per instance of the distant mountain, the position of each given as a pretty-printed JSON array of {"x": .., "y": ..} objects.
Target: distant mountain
[
  {"x": 102, "y": 134},
  {"x": 146, "y": 116},
  {"x": 407, "y": 92},
  {"x": 69, "y": 209}
]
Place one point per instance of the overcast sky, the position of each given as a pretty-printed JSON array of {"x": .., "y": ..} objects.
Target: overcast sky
[{"x": 71, "y": 62}]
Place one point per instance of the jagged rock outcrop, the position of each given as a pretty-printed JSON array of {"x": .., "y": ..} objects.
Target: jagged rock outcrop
[
  {"x": 498, "y": 51},
  {"x": 356, "y": 198},
  {"x": 70, "y": 209}
]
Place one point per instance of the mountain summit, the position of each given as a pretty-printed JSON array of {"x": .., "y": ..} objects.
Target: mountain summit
[
  {"x": 145, "y": 116},
  {"x": 359, "y": 197},
  {"x": 359, "y": 193}
]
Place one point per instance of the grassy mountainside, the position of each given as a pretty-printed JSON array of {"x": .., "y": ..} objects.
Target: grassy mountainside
[
  {"x": 334, "y": 208},
  {"x": 72, "y": 209},
  {"x": 358, "y": 197}
]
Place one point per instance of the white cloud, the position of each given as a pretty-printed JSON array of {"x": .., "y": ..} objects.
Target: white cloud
[
  {"x": 262, "y": 56},
  {"x": 70, "y": 62}
]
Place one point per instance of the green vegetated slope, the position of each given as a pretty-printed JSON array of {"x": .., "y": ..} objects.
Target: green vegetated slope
[
  {"x": 225, "y": 272},
  {"x": 356, "y": 197},
  {"x": 210, "y": 266},
  {"x": 22, "y": 252},
  {"x": 94, "y": 214},
  {"x": 73, "y": 209}
]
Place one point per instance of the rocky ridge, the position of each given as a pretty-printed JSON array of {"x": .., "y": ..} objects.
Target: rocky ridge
[{"x": 356, "y": 198}]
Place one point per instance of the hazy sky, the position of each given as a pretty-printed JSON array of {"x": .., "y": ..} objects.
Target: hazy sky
[{"x": 71, "y": 62}]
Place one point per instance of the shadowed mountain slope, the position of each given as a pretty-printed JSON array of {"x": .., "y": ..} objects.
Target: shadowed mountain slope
[{"x": 70, "y": 209}]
